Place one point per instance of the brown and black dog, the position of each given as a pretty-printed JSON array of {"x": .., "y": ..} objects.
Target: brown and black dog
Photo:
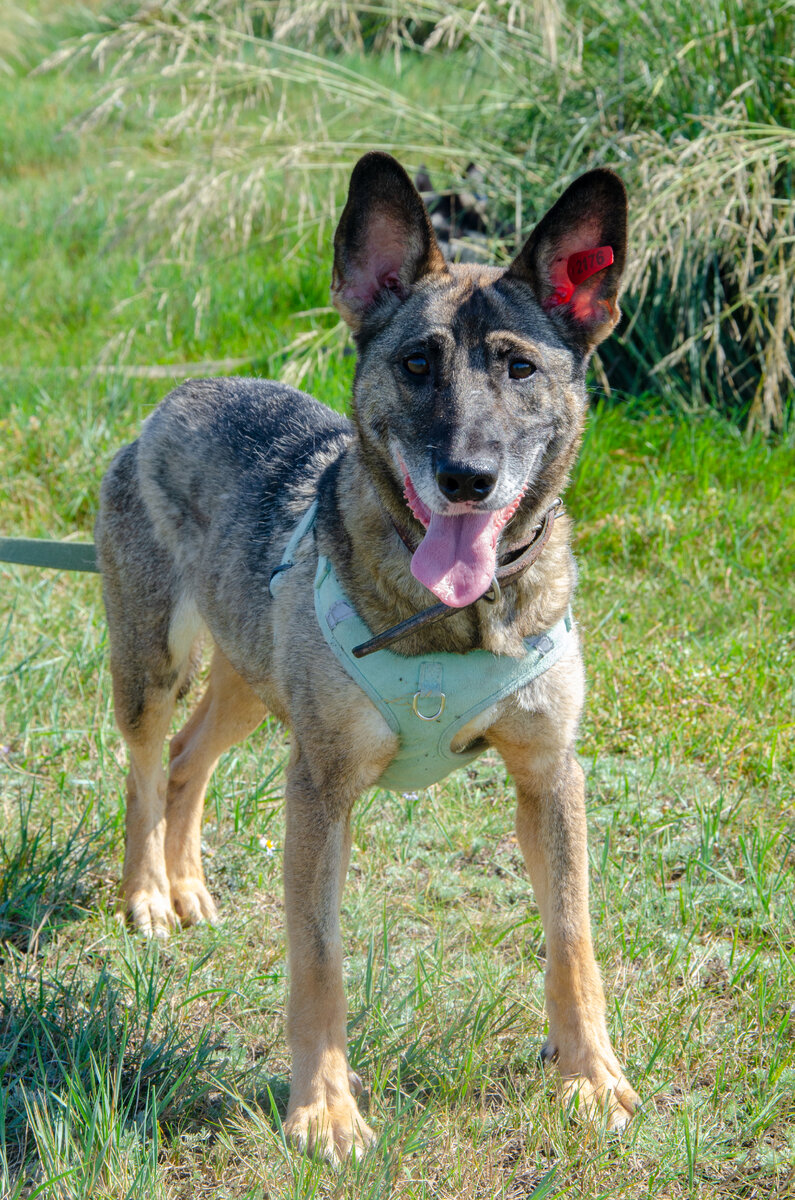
[{"x": 468, "y": 406}]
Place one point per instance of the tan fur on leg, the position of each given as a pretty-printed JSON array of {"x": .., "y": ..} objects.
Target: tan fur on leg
[
  {"x": 228, "y": 712},
  {"x": 551, "y": 828},
  {"x": 322, "y": 1116},
  {"x": 144, "y": 881}
]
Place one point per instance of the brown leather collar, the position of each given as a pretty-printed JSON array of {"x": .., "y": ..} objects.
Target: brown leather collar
[{"x": 519, "y": 559}]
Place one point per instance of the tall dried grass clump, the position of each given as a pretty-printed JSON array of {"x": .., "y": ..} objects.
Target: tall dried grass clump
[
  {"x": 260, "y": 107},
  {"x": 715, "y": 263}
]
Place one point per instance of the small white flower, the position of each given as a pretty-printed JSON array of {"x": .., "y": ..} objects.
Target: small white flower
[{"x": 267, "y": 845}]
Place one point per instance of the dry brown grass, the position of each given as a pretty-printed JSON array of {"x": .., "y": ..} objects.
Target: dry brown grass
[{"x": 716, "y": 199}]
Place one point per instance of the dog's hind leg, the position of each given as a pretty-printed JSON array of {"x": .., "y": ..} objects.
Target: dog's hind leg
[
  {"x": 144, "y": 881},
  {"x": 153, "y": 650},
  {"x": 145, "y": 689},
  {"x": 228, "y": 712}
]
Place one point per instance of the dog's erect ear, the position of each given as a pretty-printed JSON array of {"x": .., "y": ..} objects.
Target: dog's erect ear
[
  {"x": 575, "y": 256},
  {"x": 384, "y": 242}
]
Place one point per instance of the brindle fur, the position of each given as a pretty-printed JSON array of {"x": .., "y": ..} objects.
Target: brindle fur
[{"x": 194, "y": 517}]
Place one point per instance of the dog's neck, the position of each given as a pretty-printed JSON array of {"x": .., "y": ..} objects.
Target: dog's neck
[{"x": 374, "y": 568}]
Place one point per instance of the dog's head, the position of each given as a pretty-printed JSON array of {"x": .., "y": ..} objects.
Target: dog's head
[{"x": 470, "y": 382}]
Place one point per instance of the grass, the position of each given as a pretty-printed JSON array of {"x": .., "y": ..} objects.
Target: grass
[{"x": 162, "y": 1071}]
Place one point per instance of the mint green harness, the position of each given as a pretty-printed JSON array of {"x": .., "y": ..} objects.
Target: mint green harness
[{"x": 425, "y": 699}]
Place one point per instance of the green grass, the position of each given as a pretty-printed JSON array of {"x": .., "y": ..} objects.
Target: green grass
[
  {"x": 244, "y": 103},
  {"x": 161, "y": 1072}
]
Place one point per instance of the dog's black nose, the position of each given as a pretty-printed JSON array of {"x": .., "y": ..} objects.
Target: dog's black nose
[{"x": 460, "y": 481}]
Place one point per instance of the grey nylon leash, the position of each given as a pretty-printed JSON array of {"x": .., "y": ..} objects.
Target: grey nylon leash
[{"x": 39, "y": 552}]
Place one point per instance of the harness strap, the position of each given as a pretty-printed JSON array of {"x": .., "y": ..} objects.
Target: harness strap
[
  {"x": 439, "y": 612},
  {"x": 427, "y": 699},
  {"x": 520, "y": 558},
  {"x": 288, "y": 558}
]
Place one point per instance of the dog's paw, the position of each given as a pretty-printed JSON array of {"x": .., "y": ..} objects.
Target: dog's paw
[
  {"x": 609, "y": 1101},
  {"x": 594, "y": 1087},
  {"x": 150, "y": 911},
  {"x": 333, "y": 1132},
  {"x": 192, "y": 902}
]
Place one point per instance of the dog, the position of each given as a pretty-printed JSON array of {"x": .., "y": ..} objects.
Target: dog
[{"x": 242, "y": 498}]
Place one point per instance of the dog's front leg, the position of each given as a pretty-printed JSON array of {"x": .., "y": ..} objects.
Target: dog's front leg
[
  {"x": 322, "y": 1116},
  {"x": 551, "y": 828}
]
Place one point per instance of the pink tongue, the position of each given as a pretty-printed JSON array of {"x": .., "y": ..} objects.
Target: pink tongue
[{"x": 457, "y": 557}]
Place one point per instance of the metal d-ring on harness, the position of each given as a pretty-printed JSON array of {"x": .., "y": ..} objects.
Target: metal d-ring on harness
[
  {"x": 491, "y": 597},
  {"x": 434, "y": 716}
]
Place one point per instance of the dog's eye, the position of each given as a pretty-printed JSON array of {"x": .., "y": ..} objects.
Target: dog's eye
[
  {"x": 417, "y": 364},
  {"x": 520, "y": 368}
]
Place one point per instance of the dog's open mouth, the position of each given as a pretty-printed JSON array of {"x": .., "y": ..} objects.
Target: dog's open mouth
[{"x": 457, "y": 558}]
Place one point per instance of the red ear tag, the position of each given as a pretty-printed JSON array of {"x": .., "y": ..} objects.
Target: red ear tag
[{"x": 585, "y": 263}]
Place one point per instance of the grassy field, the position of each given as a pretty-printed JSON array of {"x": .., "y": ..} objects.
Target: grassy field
[{"x": 160, "y": 1071}]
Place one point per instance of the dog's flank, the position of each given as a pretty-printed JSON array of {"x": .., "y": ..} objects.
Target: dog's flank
[{"x": 468, "y": 406}]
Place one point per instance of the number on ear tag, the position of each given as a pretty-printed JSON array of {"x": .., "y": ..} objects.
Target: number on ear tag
[{"x": 585, "y": 263}]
